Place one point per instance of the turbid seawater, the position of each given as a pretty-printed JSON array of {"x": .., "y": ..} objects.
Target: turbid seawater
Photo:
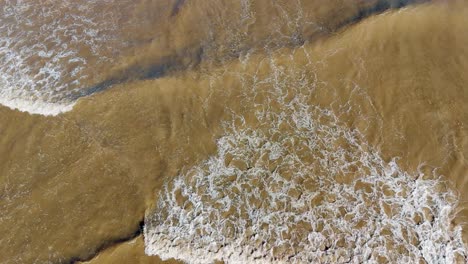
[{"x": 205, "y": 131}]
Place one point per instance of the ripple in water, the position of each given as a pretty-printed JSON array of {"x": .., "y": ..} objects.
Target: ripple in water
[{"x": 301, "y": 187}]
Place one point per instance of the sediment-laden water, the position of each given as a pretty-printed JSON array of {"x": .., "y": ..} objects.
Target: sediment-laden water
[
  {"x": 295, "y": 185},
  {"x": 236, "y": 131}
]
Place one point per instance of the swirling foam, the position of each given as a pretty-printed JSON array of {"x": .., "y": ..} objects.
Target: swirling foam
[
  {"x": 301, "y": 187},
  {"x": 48, "y": 48}
]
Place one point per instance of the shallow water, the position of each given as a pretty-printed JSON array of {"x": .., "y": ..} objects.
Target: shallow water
[
  {"x": 238, "y": 131},
  {"x": 294, "y": 185}
]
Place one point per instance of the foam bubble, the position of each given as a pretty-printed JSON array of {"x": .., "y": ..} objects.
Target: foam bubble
[
  {"x": 37, "y": 107},
  {"x": 301, "y": 187},
  {"x": 48, "y": 48}
]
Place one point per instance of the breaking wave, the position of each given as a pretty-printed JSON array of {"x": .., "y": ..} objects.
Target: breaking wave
[
  {"x": 297, "y": 185},
  {"x": 54, "y": 52},
  {"x": 50, "y": 50}
]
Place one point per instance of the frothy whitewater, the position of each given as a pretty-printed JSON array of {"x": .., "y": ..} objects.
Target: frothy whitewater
[
  {"x": 48, "y": 51},
  {"x": 299, "y": 186},
  {"x": 296, "y": 185}
]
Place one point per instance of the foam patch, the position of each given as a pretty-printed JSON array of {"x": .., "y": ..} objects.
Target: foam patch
[{"x": 301, "y": 187}]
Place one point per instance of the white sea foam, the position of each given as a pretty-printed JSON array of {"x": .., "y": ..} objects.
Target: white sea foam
[
  {"x": 47, "y": 49},
  {"x": 37, "y": 107},
  {"x": 301, "y": 187}
]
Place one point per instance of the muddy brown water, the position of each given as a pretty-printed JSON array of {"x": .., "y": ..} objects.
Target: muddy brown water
[{"x": 75, "y": 187}]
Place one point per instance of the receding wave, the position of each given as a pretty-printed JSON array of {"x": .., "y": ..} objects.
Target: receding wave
[
  {"x": 296, "y": 185},
  {"x": 243, "y": 131},
  {"x": 55, "y": 52},
  {"x": 49, "y": 50}
]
